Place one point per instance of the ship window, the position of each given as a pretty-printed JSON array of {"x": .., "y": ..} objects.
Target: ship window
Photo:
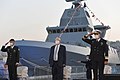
[
  {"x": 54, "y": 31},
  {"x": 71, "y": 30},
  {"x": 101, "y": 28},
  {"x": 62, "y": 30},
  {"x": 49, "y": 31},
  {"x": 66, "y": 30},
  {"x": 84, "y": 29},
  {"x": 79, "y": 29},
  {"x": 58, "y": 31},
  {"x": 75, "y": 29}
]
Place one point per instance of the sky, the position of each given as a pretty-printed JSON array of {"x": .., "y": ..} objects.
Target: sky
[{"x": 28, "y": 19}]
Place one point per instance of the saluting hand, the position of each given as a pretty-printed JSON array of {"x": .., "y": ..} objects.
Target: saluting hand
[
  {"x": 92, "y": 33},
  {"x": 86, "y": 36}
]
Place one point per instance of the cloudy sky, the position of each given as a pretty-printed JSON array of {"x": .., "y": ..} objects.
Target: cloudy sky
[{"x": 28, "y": 19}]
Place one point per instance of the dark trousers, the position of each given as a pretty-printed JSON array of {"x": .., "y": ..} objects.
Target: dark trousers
[
  {"x": 12, "y": 69},
  {"x": 57, "y": 72},
  {"x": 89, "y": 74},
  {"x": 98, "y": 68}
]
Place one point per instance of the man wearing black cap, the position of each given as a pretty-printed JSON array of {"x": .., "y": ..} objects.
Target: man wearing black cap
[
  {"x": 98, "y": 54},
  {"x": 12, "y": 59}
]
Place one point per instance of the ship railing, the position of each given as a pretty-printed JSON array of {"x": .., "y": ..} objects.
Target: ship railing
[
  {"x": 78, "y": 69},
  {"x": 45, "y": 74},
  {"x": 77, "y": 72},
  {"x": 49, "y": 77},
  {"x": 43, "y": 70},
  {"x": 47, "y": 69}
]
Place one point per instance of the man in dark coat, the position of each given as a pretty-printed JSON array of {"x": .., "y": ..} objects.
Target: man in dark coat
[
  {"x": 57, "y": 59},
  {"x": 98, "y": 54},
  {"x": 12, "y": 59}
]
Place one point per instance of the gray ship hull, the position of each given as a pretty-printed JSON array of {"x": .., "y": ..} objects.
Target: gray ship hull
[{"x": 38, "y": 53}]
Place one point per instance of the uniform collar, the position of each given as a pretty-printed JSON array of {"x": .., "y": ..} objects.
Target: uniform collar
[
  {"x": 12, "y": 46},
  {"x": 99, "y": 39}
]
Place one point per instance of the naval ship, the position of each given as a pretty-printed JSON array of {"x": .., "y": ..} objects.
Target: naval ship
[
  {"x": 77, "y": 21},
  {"x": 74, "y": 24}
]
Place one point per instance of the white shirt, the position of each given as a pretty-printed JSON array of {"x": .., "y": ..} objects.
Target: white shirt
[
  {"x": 99, "y": 39},
  {"x": 56, "y": 50},
  {"x": 12, "y": 47}
]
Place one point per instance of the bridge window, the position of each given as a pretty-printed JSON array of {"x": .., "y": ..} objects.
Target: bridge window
[
  {"x": 54, "y": 31},
  {"x": 75, "y": 30},
  {"x": 101, "y": 28},
  {"x": 58, "y": 30},
  {"x": 49, "y": 31},
  {"x": 84, "y": 29},
  {"x": 71, "y": 30},
  {"x": 62, "y": 30},
  {"x": 67, "y": 30},
  {"x": 79, "y": 29}
]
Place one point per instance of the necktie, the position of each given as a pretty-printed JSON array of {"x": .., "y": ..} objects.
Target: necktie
[{"x": 56, "y": 53}]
